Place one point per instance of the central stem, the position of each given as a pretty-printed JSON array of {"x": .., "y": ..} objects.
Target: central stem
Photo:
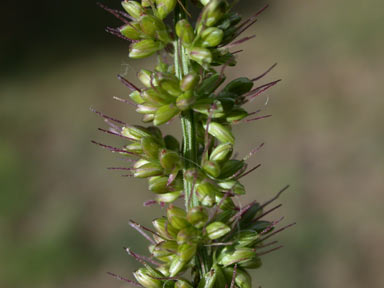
[
  {"x": 190, "y": 146},
  {"x": 189, "y": 153},
  {"x": 188, "y": 124}
]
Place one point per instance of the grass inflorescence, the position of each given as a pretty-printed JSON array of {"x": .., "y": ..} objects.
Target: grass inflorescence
[{"x": 211, "y": 242}]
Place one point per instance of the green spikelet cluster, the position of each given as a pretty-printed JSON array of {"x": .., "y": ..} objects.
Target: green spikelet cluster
[{"x": 212, "y": 241}]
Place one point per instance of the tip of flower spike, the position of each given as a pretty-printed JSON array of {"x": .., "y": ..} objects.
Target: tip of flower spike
[
  {"x": 265, "y": 73},
  {"x": 115, "y": 134},
  {"x": 277, "y": 231},
  {"x": 237, "y": 51},
  {"x": 116, "y": 32},
  {"x": 106, "y": 116},
  {"x": 271, "y": 226},
  {"x": 258, "y": 118},
  {"x": 118, "y": 14},
  {"x": 275, "y": 197},
  {"x": 248, "y": 172},
  {"x": 110, "y": 148},
  {"x": 124, "y": 279},
  {"x": 269, "y": 251},
  {"x": 240, "y": 41},
  {"x": 267, "y": 212},
  {"x": 126, "y": 101},
  {"x": 258, "y": 90},
  {"x": 251, "y": 20},
  {"x": 120, "y": 168},
  {"x": 127, "y": 83},
  {"x": 253, "y": 151}
]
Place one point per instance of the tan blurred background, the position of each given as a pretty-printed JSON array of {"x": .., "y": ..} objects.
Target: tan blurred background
[{"x": 63, "y": 216}]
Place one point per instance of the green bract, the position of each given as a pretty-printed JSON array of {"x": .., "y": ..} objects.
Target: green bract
[
  {"x": 133, "y": 8},
  {"x": 144, "y": 48},
  {"x": 213, "y": 239},
  {"x": 164, "y": 7},
  {"x": 185, "y": 32}
]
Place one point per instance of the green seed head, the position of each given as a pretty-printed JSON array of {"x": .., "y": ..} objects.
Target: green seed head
[
  {"x": 239, "y": 86},
  {"x": 211, "y": 37},
  {"x": 182, "y": 284},
  {"x": 206, "y": 193},
  {"x": 209, "y": 279},
  {"x": 213, "y": 12},
  {"x": 226, "y": 203},
  {"x": 232, "y": 186},
  {"x": 216, "y": 230},
  {"x": 201, "y": 55},
  {"x": 145, "y": 77},
  {"x": 176, "y": 266},
  {"x": 189, "y": 81},
  {"x": 185, "y": 100},
  {"x": 193, "y": 175},
  {"x": 150, "y": 147},
  {"x": 133, "y": 8},
  {"x": 147, "y": 109},
  {"x": 144, "y": 48},
  {"x": 144, "y": 277},
  {"x": 158, "y": 184},
  {"x": 230, "y": 256},
  {"x": 242, "y": 280},
  {"x": 165, "y": 113},
  {"x": 163, "y": 269},
  {"x": 169, "y": 83},
  {"x": 221, "y": 132},
  {"x": 153, "y": 27},
  {"x": 170, "y": 160},
  {"x": 169, "y": 197},
  {"x": 147, "y": 118},
  {"x": 186, "y": 251},
  {"x": 212, "y": 168},
  {"x": 131, "y": 31},
  {"x": 177, "y": 217},
  {"x": 135, "y": 132},
  {"x": 135, "y": 96},
  {"x": 184, "y": 31},
  {"x": 140, "y": 163},
  {"x": 171, "y": 143},
  {"x": 199, "y": 172},
  {"x": 134, "y": 148},
  {"x": 146, "y": 3},
  {"x": 253, "y": 263},
  {"x": 164, "y": 7},
  {"x": 221, "y": 153},
  {"x": 148, "y": 170},
  {"x": 254, "y": 211},
  {"x": 187, "y": 235},
  {"x": 197, "y": 216},
  {"x": 236, "y": 115},
  {"x": 246, "y": 238},
  {"x": 164, "y": 228},
  {"x": 210, "y": 84},
  {"x": 164, "y": 248},
  {"x": 231, "y": 167},
  {"x": 153, "y": 97}
]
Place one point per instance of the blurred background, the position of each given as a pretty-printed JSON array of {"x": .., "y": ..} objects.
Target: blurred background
[{"x": 64, "y": 217}]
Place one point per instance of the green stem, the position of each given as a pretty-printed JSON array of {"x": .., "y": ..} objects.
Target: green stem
[
  {"x": 190, "y": 146},
  {"x": 189, "y": 152},
  {"x": 187, "y": 118}
]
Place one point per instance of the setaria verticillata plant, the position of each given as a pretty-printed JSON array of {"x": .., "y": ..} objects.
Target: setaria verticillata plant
[{"x": 206, "y": 239}]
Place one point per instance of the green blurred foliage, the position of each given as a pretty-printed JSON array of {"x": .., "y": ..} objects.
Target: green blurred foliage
[{"x": 64, "y": 218}]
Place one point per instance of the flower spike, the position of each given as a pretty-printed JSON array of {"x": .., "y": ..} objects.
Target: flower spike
[{"x": 214, "y": 240}]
